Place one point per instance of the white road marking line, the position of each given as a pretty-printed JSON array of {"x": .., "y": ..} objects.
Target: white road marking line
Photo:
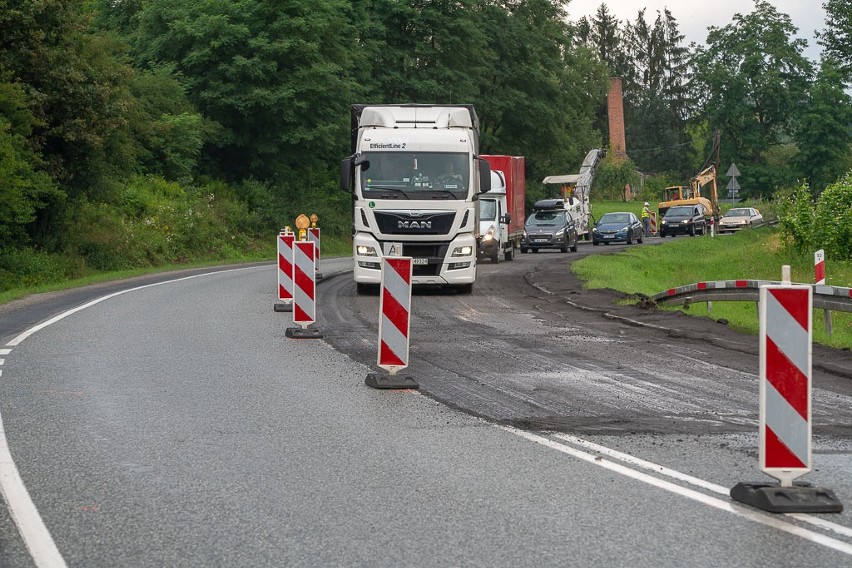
[
  {"x": 39, "y": 327},
  {"x": 2, "y": 361},
  {"x": 5, "y": 351},
  {"x": 627, "y": 458},
  {"x": 724, "y": 505},
  {"x": 33, "y": 531}
]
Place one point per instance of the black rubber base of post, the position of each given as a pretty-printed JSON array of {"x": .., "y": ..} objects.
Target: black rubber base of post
[
  {"x": 299, "y": 333},
  {"x": 390, "y": 381},
  {"x": 801, "y": 498},
  {"x": 319, "y": 276},
  {"x": 283, "y": 307}
]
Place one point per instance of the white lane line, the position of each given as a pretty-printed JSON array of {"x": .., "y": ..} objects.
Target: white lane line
[
  {"x": 5, "y": 351},
  {"x": 2, "y": 361},
  {"x": 698, "y": 482},
  {"x": 703, "y": 498},
  {"x": 63, "y": 315},
  {"x": 33, "y": 531}
]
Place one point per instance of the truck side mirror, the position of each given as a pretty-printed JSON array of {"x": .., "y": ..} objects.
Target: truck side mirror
[
  {"x": 484, "y": 176},
  {"x": 346, "y": 170},
  {"x": 507, "y": 218}
]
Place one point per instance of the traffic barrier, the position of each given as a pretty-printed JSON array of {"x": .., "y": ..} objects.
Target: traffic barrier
[
  {"x": 394, "y": 325},
  {"x": 653, "y": 223},
  {"x": 304, "y": 291},
  {"x": 785, "y": 405},
  {"x": 314, "y": 237},
  {"x": 285, "y": 272}
]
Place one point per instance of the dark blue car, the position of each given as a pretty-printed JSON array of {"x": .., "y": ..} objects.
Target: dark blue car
[{"x": 621, "y": 227}]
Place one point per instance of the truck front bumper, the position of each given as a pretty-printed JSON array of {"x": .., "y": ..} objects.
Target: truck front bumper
[{"x": 434, "y": 262}]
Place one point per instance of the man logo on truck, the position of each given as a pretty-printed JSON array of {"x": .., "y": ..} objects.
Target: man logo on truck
[{"x": 414, "y": 224}]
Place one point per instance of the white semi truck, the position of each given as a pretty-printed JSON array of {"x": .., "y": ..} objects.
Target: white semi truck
[{"x": 415, "y": 177}]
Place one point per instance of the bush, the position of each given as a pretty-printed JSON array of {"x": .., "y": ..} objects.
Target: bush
[
  {"x": 826, "y": 224},
  {"x": 832, "y": 227},
  {"x": 612, "y": 175}
]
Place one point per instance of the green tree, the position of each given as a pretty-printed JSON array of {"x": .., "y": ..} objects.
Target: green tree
[
  {"x": 657, "y": 102},
  {"x": 276, "y": 76},
  {"x": 836, "y": 39},
  {"x": 24, "y": 187},
  {"x": 753, "y": 78},
  {"x": 825, "y": 147}
]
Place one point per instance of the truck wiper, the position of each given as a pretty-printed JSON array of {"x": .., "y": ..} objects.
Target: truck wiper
[
  {"x": 444, "y": 191},
  {"x": 382, "y": 188}
]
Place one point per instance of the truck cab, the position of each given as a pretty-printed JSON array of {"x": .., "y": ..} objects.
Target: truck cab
[{"x": 415, "y": 177}]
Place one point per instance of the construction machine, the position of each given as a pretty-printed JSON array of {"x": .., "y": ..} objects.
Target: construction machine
[{"x": 691, "y": 194}]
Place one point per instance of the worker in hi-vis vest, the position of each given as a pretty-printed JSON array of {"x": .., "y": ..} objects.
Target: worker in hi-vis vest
[{"x": 646, "y": 219}]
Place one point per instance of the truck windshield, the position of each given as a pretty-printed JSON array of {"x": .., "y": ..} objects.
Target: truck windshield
[{"x": 421, "y": 175}]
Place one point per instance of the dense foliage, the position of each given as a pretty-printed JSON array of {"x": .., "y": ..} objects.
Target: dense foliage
[
  {"x": 143, "y": 132},
  {"x": 824, "y": 224}
]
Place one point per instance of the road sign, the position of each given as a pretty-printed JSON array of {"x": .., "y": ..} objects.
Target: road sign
[
  {"x": 733, "y": 171},
  {"x": 733, "y": 184}
]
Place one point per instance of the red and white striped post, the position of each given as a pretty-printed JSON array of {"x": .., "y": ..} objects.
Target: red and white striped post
[
  {"x": 394, "y": 324},
  {"x": 285, "y": 272},
  {"x": 819, "y": 278},
  {"x": 653, "y": 223},
  {"x": 785, "y": 313},
  {"x": 314, "y": 237},
  {"x": 304, "y": 291},
  {"x": 819, "y": 266}
]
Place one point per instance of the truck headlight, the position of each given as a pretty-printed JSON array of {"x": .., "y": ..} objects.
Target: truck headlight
[
  {"x": 364, "y": 250},
  {"x": 489, "y": 235},
  {"x": 462, "y": 251}
]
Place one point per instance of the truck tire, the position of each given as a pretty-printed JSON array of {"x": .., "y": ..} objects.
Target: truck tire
[
  {"x": 366, "y": 289},
  {"x": 465, "y": 289}
]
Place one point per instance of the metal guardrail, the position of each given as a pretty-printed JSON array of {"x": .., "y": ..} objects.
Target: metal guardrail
[{"x": 835, "y": 298}]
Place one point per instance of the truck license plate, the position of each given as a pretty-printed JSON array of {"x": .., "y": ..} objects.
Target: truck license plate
[{"x": 420, "y": 261}]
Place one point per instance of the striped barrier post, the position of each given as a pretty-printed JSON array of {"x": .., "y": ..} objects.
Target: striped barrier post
[
  {"x": 314, "y": 237},
  {"x": 785, "y": 404},
  {"x": 653, "y": 223},
  {"x": 394, "y": 324},
  {"x": 819, "y": 278},
  {"x": 304, "y": 291},
  {"x": 285, "y": 272}
]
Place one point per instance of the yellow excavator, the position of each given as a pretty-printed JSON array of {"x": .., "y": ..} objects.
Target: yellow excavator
[{"x": 691, "y": 194}]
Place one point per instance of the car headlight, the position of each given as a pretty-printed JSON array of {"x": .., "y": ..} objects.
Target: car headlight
[
  {"x": 462, "y": 251},
  {"x": 663, "y": 222},
  {"x": 364, "y": 250},
  {"x": 595, "y": 231},
  {"x": 559, "y": 233},
  {"x": 622, "y": 230}
]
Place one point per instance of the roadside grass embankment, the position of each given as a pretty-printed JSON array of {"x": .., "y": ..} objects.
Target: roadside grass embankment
[
  {"x": 38, "y": 281},
  {"x": 752, "y": 255}
]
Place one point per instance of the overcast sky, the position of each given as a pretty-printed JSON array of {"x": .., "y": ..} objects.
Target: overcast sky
[{"x": 695, "y": 16}]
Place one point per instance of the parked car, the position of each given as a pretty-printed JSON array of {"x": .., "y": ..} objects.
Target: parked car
[
  {"x": 549, "y": 228},
  {"x": 684, "y": 220},
  {"x": 740, "y": 218},
  {"x": 617, "y": 227}
]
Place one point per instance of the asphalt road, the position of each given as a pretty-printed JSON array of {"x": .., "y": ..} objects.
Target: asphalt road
[{"x": 176, "y": 425}]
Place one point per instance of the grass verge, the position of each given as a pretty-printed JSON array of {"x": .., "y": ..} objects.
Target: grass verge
[{"x": 754, "y": 254}]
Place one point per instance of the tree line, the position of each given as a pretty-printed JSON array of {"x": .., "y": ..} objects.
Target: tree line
[{"x": 138, "y": 132}]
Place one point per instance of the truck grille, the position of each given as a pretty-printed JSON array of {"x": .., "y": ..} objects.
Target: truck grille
[{"x": 403, "y": 224}]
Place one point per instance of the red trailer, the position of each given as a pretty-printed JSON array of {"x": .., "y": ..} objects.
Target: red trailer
[{"x": 501, "y": 210}]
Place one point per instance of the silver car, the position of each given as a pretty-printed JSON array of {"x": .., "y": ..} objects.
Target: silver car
[{"x": 740, "y": 218}]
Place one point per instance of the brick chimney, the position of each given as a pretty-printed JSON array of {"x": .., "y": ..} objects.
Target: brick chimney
[{"x": 615, "y": 103}]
